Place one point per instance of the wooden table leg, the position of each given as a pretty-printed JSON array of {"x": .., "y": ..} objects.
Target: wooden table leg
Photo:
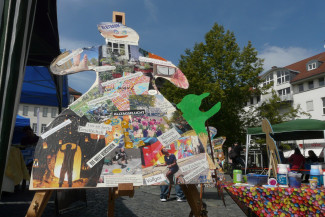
[
  {"x": 39, "y": 203},
  {"x": 123, "y": 189}
]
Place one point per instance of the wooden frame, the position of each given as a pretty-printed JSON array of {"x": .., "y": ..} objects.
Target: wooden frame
[
  {"x": 194, "y": 199},
  {"x": 118, "y": 17}
]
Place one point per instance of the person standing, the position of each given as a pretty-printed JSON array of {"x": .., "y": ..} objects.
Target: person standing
[
  {"x": 297, "y": 160},
  {"x": 67, "y": 165},
  {"x": 164, "y": 192},
  {"x": 30, "y": 138},
  {"x": 236, "y": 159},
  {"x": 281, "y": 155},
  {"x": 312, "y": 158}
]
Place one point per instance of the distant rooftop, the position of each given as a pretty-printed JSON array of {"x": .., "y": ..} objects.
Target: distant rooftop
[{"x": 301, "y": 66}]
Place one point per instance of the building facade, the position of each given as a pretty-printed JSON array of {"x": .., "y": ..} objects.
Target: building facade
[
  {"x": 40, "y": 115},
  {"x": 301, "y": 83}
]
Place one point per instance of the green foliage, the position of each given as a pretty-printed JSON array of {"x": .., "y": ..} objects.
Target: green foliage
[
  {"x": 275, "y": 110},
  {"x": 94, "y": 61},
  {"x": 105, "y": 76},
  {"x": 220, "y": 67},
  {"x": 286, "y": 147},
  {"x": 141, "y": 101}
]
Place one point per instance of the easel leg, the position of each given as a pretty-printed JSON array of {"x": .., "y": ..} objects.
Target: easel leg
[
  {"x": 201, "y": 194},
  {"x": 111, "y": 202},
  {"x": 39, "y": 203},
  {"x": 193, "y": 199}
]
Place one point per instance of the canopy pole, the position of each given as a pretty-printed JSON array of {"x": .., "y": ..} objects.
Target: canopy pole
[
  {"x": 248, "y": 138},
  {"x": 16, "y": 25}
]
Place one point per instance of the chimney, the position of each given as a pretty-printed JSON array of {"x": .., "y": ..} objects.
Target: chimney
[
  {"x": 119, "y": 17},
  {"x": 274, "y": 67}
]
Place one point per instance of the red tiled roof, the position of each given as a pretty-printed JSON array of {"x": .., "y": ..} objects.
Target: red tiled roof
[
  {"x": 301, "y": 67},
  {"x": 74, "y": 92}
]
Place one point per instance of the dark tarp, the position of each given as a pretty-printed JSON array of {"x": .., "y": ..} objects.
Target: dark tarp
[
  {"x": 299, "y": 129},
  {"x": 22, "y": 121},
  {"x": 44, "y": 45},
  {"x": 40, "y": 88},
  {"x": 18, "y": 130}
]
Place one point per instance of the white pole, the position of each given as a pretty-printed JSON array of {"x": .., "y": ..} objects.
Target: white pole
[
  {"x": 247, "y": 144},
  {"x": 323, "y": 148},
  {"x": 37, "y": 125}
]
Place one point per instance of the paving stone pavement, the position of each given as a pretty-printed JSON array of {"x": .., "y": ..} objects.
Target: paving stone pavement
[{"x": 145, "y": 203}]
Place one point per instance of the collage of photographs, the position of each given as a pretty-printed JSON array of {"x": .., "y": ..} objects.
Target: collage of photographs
[{"x": 122, "y": 130}]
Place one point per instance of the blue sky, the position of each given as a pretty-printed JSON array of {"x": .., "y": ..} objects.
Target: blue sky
[{"x": 283, "y": 32}]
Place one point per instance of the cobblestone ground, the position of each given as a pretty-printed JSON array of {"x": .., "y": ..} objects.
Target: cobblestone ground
[{"x": 145, "y": 203}]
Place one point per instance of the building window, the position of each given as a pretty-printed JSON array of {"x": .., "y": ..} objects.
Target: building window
[
  {"x": 310, "y": 106},
  {"x": 53, "y": 113},
  {"x": 321, "y": 82},
  {"x": 283, "y": 76},
  {"x": 25, "y": 110},
  {"x": 284, "y": 91},
  {"x": 43, "y": 128},
  {"x": 45, "y": 111},
  {"x": 311, "y": 85},
  {"x": 268, "y": 79},
  {"x": 301, "y": 87},
  {"x": 34, "y": 127},
  {"x": 311, "y": 66},
  {"x": 323, "y": 106},
  {"x": 165, "y": 70},
  {"x": 258, "y": 99},
  {"x": 36, "y": 110},
  {"x": 115, "y": 48},
  {"x": 252, "y": 100}
]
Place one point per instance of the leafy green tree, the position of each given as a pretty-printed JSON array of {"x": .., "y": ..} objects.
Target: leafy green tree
[
  {"x": 228, "y": 73},
  {"x": 94, "y": 61}
]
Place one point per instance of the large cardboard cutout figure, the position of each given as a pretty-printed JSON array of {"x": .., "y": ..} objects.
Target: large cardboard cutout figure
[{"x": 122, "y": 130}]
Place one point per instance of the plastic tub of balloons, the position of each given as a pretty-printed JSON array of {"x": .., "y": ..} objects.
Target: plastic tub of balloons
[{"x": 256, "y": 179}]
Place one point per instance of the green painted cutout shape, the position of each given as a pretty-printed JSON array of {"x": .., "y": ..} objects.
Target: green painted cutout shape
[{"x": 190, "y": 106}]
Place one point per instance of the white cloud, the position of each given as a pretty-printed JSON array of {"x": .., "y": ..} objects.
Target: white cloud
[
  {"x": 152, "y": 9},
  {"x": 282, "y": 56}
]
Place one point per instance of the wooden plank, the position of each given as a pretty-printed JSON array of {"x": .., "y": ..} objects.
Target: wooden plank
[
  {"x": 39, "y": 203},
  {"x": 125, "y": 189}
]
